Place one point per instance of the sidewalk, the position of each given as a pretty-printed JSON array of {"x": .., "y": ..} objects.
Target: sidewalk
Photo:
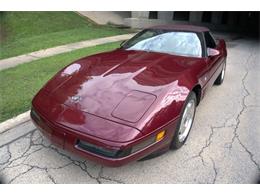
[{"x": 14, "y": 61}]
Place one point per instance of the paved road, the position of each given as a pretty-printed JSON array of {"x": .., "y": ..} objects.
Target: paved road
[{"x": 223, "y": 147}]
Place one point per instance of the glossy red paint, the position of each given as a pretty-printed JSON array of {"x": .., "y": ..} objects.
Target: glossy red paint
[{"x": 117, "y": 100}]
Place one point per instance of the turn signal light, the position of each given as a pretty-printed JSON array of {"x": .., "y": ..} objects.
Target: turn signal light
[{"x": 160, "y": 136}]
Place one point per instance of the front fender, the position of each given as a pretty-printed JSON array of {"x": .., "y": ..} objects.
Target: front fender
[{"x": 166, "y": 108}]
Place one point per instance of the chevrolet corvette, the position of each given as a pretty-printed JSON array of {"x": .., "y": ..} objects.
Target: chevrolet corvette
[{"x": 132, "y": 102}]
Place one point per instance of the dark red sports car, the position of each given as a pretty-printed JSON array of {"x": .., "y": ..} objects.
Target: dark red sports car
[{"x": 122, "y": 105}]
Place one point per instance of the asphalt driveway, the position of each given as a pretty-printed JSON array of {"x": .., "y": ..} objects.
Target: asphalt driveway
[{"x": 223, "y": 146}]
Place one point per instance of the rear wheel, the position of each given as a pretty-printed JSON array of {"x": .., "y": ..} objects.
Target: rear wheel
[
  {"x": 221, "y": 76},
  {"x": 185, "y": 121}
]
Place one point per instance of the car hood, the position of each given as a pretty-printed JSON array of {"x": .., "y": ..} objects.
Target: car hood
[{"x": 120, "y": 85}]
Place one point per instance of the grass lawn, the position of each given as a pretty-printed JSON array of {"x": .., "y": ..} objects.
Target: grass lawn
[
  {"x": 24, "y": 32},
  {"x": 18, "y": 85}
]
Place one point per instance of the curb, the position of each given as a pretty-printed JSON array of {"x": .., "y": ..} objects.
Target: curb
[{"x": 17, "y": 120}]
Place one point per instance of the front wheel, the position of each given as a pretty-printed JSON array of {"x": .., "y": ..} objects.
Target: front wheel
[{"x": 185, "y": 121}]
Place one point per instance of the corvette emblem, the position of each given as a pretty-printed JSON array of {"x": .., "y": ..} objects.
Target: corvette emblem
[{"x": 76, "y": 98}]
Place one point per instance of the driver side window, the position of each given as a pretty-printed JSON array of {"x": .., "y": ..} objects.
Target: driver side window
[{"x": 210, "y": 42}]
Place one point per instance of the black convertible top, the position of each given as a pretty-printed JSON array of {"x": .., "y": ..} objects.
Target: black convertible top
[{"x": 177, "y": 27}]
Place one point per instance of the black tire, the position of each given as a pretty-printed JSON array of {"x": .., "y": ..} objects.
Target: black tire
[
  {"x": 221, "y": 77},
  {"x": 176, "y": 143}
]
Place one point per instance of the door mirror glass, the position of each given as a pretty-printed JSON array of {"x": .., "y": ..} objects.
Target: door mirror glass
[{"x": 212, "y": 52}]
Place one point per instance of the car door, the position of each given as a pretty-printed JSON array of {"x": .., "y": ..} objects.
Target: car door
[{"x": 213, "y": 62}]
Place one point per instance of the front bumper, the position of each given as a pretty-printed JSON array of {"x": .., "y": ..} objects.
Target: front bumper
[{"x": 69, "y": 139}]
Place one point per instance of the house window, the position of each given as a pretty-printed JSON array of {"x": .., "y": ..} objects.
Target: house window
[
  {"x": 183, "y": 16},
  {"x": 206, "y": 17},
  {"x": 153, "y": 15}
]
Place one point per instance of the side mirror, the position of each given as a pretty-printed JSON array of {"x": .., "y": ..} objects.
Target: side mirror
[
  {"x": 222, "y": 43},
  {"x": 122, "y": 43},
  {"x": 212, "y": 52}
]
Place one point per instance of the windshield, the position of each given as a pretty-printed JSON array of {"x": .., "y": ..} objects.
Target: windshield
[{"x": 176, "y": 43}]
